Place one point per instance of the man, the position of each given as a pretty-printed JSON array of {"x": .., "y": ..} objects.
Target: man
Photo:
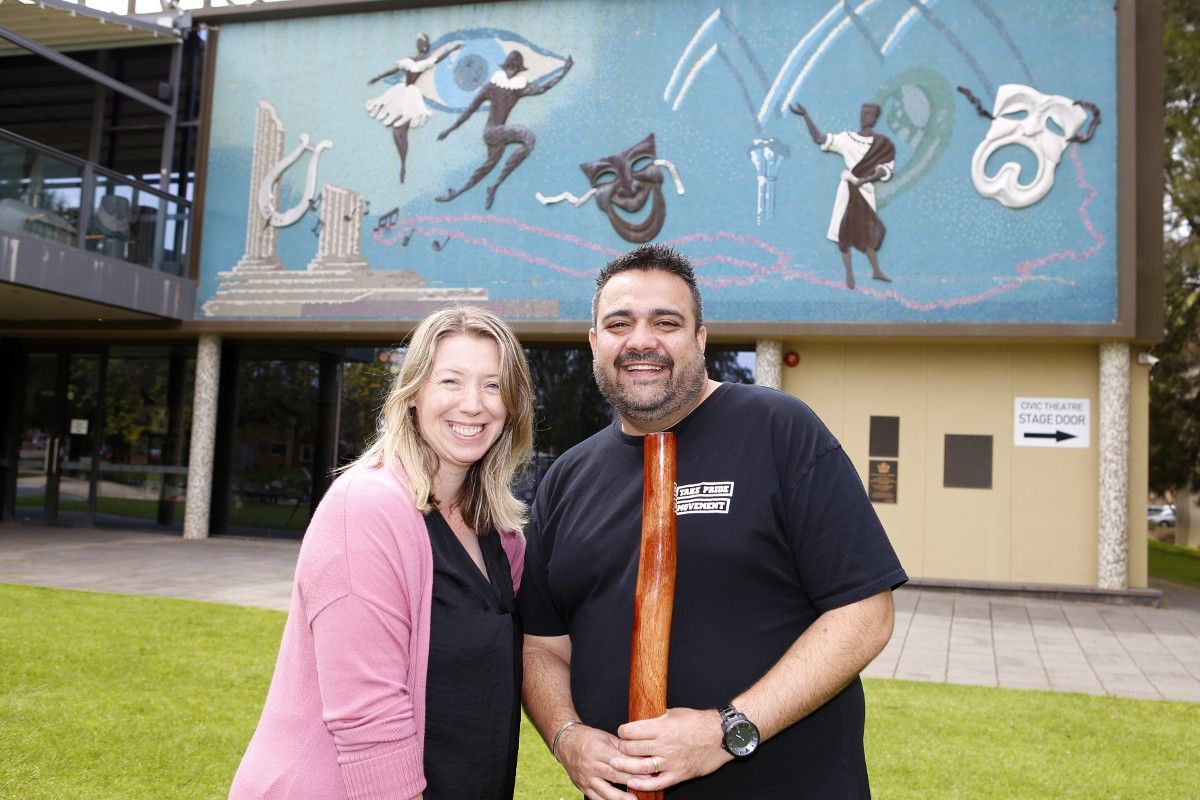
[
  {"x": 501, "y": 93},
  {"x": 869, "y": 157},
  {"x": 783, "y": 591}
]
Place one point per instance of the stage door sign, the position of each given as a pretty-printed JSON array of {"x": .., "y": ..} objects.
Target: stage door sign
[{"x": 1062, "y": 422}]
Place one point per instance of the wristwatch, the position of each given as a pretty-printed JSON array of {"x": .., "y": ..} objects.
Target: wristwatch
[{"x": 739, "y": 735}]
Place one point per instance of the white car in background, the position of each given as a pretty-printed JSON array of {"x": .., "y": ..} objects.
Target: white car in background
[{"x": 1162, "y": 516}]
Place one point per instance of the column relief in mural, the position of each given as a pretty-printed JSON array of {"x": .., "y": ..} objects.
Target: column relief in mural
[{"x": 268, "y": 148}]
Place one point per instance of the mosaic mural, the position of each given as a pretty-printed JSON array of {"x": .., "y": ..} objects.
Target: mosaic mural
[{"x": 885, "y": 161}]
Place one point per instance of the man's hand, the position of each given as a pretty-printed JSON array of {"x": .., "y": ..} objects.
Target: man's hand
[
  {"x": 680, "y": 745},
  {"x": 798, "y": 110},
  {"x": 587, "y": 755}
]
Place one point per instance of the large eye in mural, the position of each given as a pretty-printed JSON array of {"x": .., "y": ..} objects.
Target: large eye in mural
[
  {"x": 454, "y": 82},
  {"x": 623, "y": 183}
]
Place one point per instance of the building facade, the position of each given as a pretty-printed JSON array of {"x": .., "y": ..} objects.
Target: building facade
[{"x": 939, "y": 224}]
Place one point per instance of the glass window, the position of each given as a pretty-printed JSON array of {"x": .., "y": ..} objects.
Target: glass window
[
  {"x": 147, "y": 428},
  {"x": 570, "y": 408},
  {"x": 366, "y": 375},
  {"x": 272, "y": 458}
]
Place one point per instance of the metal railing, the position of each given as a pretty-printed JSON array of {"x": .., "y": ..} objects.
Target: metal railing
[
  {"x": 55, "y": 196},
  {"x": 150, "y": 7}
]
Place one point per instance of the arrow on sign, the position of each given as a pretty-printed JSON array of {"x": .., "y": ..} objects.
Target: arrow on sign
[{"x": 1057, "y": 436}]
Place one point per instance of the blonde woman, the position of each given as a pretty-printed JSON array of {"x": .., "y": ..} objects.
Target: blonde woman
[{"x": 399, "y": 670}]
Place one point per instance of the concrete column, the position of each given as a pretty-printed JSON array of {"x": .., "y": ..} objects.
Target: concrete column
[
  {"x": 1113, "y": 572},
  {"x": 768, "y": 362},
  {"x": 204, "y": 436}
]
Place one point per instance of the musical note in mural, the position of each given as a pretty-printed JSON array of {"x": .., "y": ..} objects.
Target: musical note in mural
[
  {"x": 440, "y": 246},
  {"x": 316, "y": 229},
  {"x": 388, "y": 219}
]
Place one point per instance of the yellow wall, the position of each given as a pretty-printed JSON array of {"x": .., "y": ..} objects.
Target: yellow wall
[{"x": 1038, "y": 523}]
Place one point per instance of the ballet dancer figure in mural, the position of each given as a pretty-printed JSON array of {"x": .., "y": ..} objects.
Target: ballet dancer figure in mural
[
  {"x": 403, "y": 106},
  {"x": 501, "y": 93},
  {"x": 869, "y": 157}
]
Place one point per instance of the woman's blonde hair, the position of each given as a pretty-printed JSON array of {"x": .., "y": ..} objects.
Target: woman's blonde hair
[{"x": 486, "y": 497}]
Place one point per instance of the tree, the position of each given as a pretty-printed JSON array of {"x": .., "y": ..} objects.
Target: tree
[{"x": 1175, "y": 381}]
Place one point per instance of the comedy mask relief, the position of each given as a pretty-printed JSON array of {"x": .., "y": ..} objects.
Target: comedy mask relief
[
  {"x": 626, "y": 181},
  {"x": 622, "y": 184},
  {"x": 1024, "y": 117}
]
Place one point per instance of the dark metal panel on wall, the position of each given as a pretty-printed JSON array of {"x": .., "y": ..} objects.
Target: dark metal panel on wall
[{"x": 1142, "y": 161}]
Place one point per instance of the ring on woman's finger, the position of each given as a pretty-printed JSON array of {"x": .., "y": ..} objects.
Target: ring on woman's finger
[{"x": 654, "y": 764}]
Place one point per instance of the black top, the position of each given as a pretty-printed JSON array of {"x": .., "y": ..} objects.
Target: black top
[
  {"x": 472, "y": 706},
  {"x": 774, "y": 528}
]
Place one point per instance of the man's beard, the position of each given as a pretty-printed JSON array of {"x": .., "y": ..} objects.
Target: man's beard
[{"x": 644, "y": 407}]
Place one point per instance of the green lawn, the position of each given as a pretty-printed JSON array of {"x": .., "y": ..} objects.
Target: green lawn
[
  {"x": 119, "y": 697},
  {"x": 1174, "y": 563}
]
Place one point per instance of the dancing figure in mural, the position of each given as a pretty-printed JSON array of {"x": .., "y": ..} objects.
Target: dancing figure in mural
[
  {"x": 869, "y": 157},
  {"x": 403, "y": 106},
  {"x": 501, "y": 93}
]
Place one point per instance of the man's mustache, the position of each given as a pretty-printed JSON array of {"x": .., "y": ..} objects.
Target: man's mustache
[{"x": 648, "y": 357}]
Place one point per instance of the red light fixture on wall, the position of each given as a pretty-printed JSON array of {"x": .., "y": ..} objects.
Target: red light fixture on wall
[{"x": 791, "y": 358}]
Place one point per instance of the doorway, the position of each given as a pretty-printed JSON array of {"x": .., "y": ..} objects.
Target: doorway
[
  {"x": 57, "y": 436},
  {"x": 97, "y": 436}
]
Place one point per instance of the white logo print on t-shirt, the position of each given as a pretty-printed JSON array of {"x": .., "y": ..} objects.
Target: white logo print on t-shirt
[{"x": 708, "y": 497}]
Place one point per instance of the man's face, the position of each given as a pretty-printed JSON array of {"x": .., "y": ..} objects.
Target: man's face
[
  {"x": 868, "y": 115},
  {"x": 648, "y": 357}
]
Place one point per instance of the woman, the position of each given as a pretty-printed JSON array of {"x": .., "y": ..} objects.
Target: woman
[
  {"x": 399, "y": 670},
  {"x": 403, "y": 106}
]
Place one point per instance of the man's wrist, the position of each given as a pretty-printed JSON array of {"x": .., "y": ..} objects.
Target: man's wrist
[
  {"x": 739, "y": 736},
  {"x": 558, "y": 734}
]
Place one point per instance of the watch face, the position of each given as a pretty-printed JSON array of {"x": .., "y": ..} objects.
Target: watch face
[{"x": 742, "y": 738}]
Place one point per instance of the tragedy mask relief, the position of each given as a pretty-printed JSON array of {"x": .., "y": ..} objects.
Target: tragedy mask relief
[
  {"x": 623, "y": 184},
  {"x": 1043, "y": 124}
]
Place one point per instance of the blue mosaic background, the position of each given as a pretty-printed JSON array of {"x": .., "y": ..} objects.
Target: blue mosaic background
[{"x": 953, "y": 255}]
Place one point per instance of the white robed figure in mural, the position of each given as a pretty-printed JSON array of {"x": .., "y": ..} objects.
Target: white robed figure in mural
[
  {"x": 869, "y": 157},
  {"x": 402, "y": 106}
]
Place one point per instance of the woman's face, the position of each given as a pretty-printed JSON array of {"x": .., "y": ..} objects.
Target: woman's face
[{"x": 460, "y": 413}]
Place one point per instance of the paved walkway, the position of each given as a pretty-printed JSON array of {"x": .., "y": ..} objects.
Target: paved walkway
[{"x": 1127, "y": 651}]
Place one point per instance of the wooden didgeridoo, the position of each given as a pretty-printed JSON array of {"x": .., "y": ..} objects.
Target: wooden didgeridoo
[{"x": 655, "y": 598}]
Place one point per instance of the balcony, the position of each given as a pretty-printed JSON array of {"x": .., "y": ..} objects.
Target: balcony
[{"x": 78, "y": 230}]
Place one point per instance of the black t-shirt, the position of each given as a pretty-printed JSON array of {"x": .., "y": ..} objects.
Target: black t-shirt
[
  {"x": 472, "y": 711},
  {"x": 774, "y": 528}
]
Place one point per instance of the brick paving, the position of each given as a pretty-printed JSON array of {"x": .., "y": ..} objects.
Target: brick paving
[{"x": 941, "y": 637}]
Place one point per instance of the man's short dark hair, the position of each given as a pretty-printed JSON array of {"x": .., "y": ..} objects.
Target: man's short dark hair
[{"x": 650, "y": 257}]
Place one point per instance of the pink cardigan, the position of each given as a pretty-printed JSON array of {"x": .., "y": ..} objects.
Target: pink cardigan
[{"x": 345, "y": 714}]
